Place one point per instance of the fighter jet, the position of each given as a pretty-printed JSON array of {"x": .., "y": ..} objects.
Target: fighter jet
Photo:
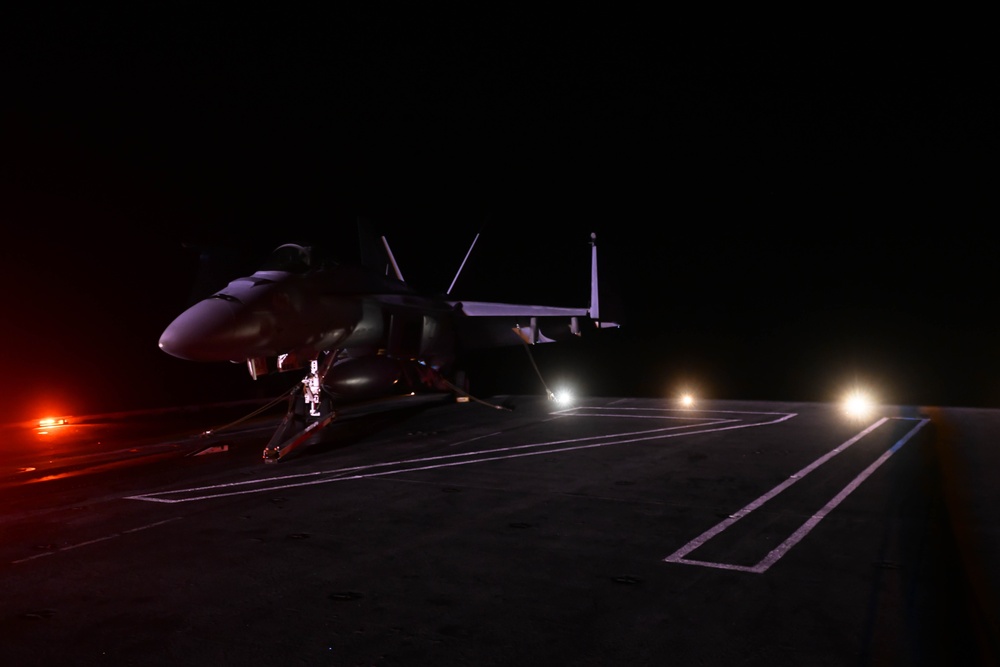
[{"x": 360, "y": 332}]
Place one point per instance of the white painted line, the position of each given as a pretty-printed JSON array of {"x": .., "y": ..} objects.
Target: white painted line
[
  {"x": 94, "y": 541},
  {"x": 447, "y": 460},
  {"x": 779, "y": 551},
  {"x": 685, "y": 413}
]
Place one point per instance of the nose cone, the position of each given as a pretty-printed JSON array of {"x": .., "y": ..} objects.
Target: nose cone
[{"x": 207, "y": 331}]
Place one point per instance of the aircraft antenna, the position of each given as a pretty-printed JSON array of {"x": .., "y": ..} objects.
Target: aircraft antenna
[{"x": 469, "y": 252}]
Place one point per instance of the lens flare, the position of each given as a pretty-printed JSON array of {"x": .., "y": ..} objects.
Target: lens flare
[
  {"x": 858, "y": 404},
  {"x": 562, "y": 396}
]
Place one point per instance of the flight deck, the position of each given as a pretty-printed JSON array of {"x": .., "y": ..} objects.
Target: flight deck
[{"x": 512, "y": 531}]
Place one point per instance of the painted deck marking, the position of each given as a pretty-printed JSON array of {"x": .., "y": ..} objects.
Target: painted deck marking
[
  {"x": 704, "y": 425},
  {"x": 779, "y": 551},
  {"x": 70, "y": 547}
]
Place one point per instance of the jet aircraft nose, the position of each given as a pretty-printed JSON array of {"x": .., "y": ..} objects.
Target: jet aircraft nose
[{"x": 209, "y": 330}]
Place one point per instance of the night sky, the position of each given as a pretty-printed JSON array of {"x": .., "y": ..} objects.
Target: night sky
[{"x": 777, "y": 218}]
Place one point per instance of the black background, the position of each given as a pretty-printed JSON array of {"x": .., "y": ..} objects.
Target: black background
[{"x": 780, "y": 214}]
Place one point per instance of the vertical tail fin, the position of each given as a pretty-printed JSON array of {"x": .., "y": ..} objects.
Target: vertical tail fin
[
  {"x": 370, "y": 253},
  {"x": 392, "y": 260},
  {"x": 595, "y": 307},
  {"x": 374, "y": 250},
  {"x": 462, "y": 266}
]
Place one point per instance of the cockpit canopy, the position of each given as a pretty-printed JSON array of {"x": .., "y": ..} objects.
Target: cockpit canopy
[{"x": 294, "y": 258}]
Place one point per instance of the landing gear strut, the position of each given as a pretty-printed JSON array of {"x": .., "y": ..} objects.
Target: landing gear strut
[{"x": 310, "y": 409}]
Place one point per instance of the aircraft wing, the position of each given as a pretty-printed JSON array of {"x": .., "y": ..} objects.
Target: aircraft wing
[
  {"x": 491, "y": 324},
  {"x": 493, "y": 309}
]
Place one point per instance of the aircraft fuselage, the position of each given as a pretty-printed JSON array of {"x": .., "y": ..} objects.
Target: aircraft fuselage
[{"x": 275, "y": 313}]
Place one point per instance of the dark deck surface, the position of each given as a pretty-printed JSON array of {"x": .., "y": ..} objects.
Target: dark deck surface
[{"x": 616, "y": 531}]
